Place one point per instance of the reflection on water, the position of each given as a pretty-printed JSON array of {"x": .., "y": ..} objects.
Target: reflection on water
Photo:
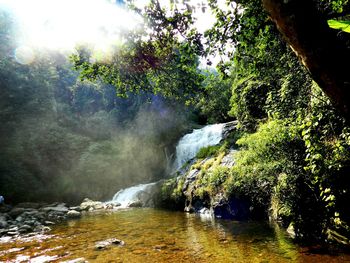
[{"x": 161, "y": 236}]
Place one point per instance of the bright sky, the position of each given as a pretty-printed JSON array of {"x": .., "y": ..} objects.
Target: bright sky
[{"x": 63, "y": 24}]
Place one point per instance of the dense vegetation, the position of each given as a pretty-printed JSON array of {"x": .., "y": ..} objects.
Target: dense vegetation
[
  {"x": 66, "y": 139},
  {"x": 294, "y": 155},
  {"x": 58, "y": 132}
]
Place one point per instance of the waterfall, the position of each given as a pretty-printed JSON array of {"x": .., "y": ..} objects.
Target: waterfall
[
  {"x": 138, "y": 193},
  {"x": 190, "y": 144},
  {"x": 187, "y": 148}
]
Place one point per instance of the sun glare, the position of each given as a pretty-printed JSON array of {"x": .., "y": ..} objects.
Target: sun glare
[{"x": 63, "y": 24}]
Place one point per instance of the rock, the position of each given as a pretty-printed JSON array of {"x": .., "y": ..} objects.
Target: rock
[
  {"x": 42, "y": 229},
  {"x": 3, "y": 220},
  {"x": 76, "y": 208},
  {"x": 73, "y": 214},
  {"x": 12, "y": 233},
  {"x": 16, "y": 211},
  {"x": 189, "y": 209},
  {"x": 204, "y": 211},
  {"x": 228, "y": 159},
  {"x": 160, "y": 246},
  {"x": 89, "y": 205},
  {"x": 112, "y": 205},
  {"x": 135, "y": 204},
  {"x": 19, "y": 219},
  {"x": 228, "y": 128},
  {"x": 4, "y": 208},
  {"x": 291, "y": 231},
  {"x": 234, "y": 208},
  {"x": 101, "y": 245},
  {"x": 191, "y": 177},
  {"x": 62, "y": 209},
  {"x": 25, "y": 228},
  {"x": 49, "y": 223}
]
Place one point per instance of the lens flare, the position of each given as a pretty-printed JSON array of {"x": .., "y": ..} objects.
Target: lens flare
[
  {"x": 24, "y": 55},
  {"x": 61, "y": 25}
]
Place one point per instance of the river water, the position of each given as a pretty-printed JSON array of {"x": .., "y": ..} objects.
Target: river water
[{"x": 152, "y": 235}]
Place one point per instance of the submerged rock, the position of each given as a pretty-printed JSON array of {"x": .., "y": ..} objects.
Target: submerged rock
[
  {"x": 135, "y": 204},
  {"x": 101, "y": 245},
  {"x": 73, "y": 214}
]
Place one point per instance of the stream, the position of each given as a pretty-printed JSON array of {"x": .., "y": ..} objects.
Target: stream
[{"x": 152, "y": 235}]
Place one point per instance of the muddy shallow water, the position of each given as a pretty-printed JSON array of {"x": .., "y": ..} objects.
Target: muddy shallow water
[{"x": 161, "y": 236}]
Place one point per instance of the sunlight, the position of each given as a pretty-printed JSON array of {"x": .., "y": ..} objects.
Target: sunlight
[{"x": 63, "y": 24}]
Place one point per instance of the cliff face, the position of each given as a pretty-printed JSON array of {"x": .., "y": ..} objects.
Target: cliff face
[{"x": 199, "y": 186}]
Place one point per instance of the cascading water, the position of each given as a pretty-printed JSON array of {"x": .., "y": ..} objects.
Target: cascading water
[
  {"x": 191, "y": 143},
  {"x": 186, "y": 149},
  {"x": 141, "y": 192}
]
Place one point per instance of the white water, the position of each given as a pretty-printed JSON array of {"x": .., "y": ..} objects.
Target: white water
[
  {"x": 191, "y": 143},
  {"x": 187, "y": 148},
  {"x": 133, "y": 194}
]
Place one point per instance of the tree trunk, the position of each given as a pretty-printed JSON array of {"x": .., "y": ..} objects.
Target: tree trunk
[{"x": 317, "y": 46}]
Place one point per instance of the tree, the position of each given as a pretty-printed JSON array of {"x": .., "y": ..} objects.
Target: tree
[{"x": 318, "y": 46}]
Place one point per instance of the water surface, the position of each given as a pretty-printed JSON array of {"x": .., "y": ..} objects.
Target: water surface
[{"x": 161, "y": 236}]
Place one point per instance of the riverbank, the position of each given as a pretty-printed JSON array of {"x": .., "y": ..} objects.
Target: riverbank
[{"x": 29, "y": 217}]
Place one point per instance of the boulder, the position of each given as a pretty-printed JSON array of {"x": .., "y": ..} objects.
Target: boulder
[
  {"x": 3, "y": 221},
  {"x": 90, "y": 205},
  {"x": 101, "y": 245},
  {"x": 233, "y": 208},
  {"x": 59, "y": 208},
  {"x": 73, "y": 214},
  {"x": 137, "y": 203}
]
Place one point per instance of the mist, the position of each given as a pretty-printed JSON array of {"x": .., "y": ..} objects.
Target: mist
[{"x": 63, "y": 139}]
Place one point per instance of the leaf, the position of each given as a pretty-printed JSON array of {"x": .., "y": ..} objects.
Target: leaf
[{"x": 343, "y": 25}]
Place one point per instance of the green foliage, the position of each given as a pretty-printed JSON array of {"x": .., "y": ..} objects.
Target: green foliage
[
  {"x": 214, "y": 103},
  {"x": 69, "y": 139},
  {"x": 208, "y": 151},
  {"x": 152, "y": 58},
  {"x": 343, "y": 25}
]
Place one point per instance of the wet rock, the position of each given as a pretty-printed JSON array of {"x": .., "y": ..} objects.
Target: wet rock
[
  {"x": 101, "y": 245},
  {"x": 113, "y": 205},
  {"x": 160, "y": 246},
  {"x": 135, "y": 204},
  {"x": 189, "y": 209},
  {"x": 77, "y": 260},
  {"x": 228, "y": 159},
  {"x": 42, "y": 229},
  {"x": 73, "y": 214},
  {"x": 232, "y": 208},
  {"x": 204, "y": 211}
]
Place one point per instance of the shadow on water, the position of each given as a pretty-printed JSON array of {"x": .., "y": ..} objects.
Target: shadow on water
[{"x": 161, "y": 236}]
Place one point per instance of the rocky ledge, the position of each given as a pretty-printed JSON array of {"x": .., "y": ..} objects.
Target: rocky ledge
[{"x": 30, "y": 217}]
